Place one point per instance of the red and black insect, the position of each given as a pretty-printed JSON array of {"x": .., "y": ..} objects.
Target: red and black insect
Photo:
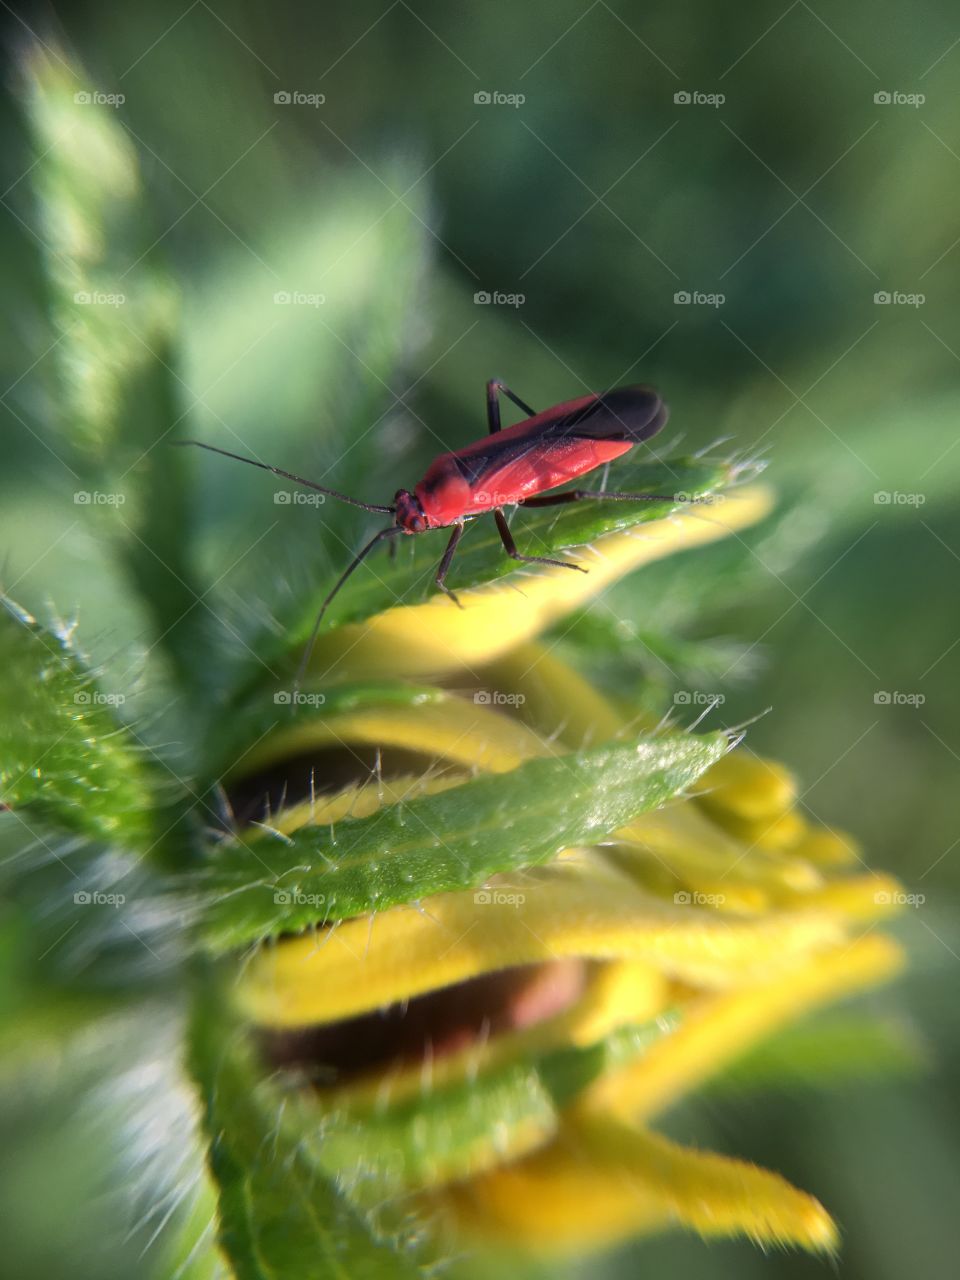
[{"x": 508, "y": 467}]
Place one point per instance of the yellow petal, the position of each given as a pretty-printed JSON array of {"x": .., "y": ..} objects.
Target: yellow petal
[
  {"x": 726, "y": 1026},
  {"x": 867, "y": 897},
  {"x": 696, "y": 848},
  {"x": 748, "y": 787},
  {"x": 578, "y": 907},
  {"x": 436, "y": 637},
  {"x": 774, "y": 835},
  {"x": 454, "y": 729},
  {"x": 826, "y": 847},
  {"x": 600, "y": 1182},
  {"x": 621, "y": 992},
  {"x": 553, "y": 697},
  {"x": 361, "y": 800}
]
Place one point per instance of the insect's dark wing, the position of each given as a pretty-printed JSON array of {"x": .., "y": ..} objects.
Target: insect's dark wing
[
  {"x": 627, "y": 413},
  {"x": 631, "y": 414}
]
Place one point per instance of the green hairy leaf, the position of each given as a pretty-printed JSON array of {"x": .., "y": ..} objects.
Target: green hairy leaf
[
  {"x": 65, "y": 757},
  {"x": 448, "y": 1131},
  {"x": 279, "y": 1215},
  {"x": 116, "y": 311},
  {"x": 256, "y": 886}
]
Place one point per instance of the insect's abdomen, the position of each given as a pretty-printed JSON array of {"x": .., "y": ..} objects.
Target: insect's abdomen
[
  {"x": 543, "y": 469},
  {"x": 446, "y": 495},
  {"x": 550, "y": 449}
]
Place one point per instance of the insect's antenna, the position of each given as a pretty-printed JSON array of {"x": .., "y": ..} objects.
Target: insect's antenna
[
  {"x": 357, "y": 560},
  {"x": 278, "y": 471}
]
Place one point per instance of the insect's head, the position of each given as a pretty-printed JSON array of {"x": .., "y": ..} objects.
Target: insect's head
[{"x": 410, "y": 515}]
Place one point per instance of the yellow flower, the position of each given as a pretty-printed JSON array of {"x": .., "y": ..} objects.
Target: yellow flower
[{"x": 502, "y": 1054}]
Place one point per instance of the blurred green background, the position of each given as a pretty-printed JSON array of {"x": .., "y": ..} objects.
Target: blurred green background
[{"x": 620, "y": 182}]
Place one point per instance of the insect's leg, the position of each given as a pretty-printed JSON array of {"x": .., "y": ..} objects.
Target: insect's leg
[
  {"x": 494, "y": 387},
  {"x": 600, "y": 495},
  {"x": 444, "y": 564},
  {"x": 506, "y": 537}
]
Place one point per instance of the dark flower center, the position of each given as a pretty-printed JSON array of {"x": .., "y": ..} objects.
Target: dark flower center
[{"x": 431, "y": 1025}]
